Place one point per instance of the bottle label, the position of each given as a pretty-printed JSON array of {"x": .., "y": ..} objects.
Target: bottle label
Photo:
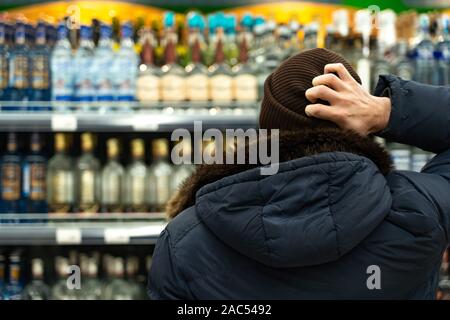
[
  {"x": 87, "y": 187},
  {"x": 197, "y": 87},
  {"x": 111, "y": 189},
  {"x": 137, "y": 190},
  {"x": 62, "y": 186},
  {"x": 39, "y": 72},
  {"x": 245, "y": 87},
  {"x": 37, "y": 181},
  {"x": 173, "y": 88},
  {"x": 11, "y": 182},
  {"x": 3, "y": 72},
  {"x": 19, "y": 75},
  {"x": 221, "y": 88},
  {"x": 62, "y": 81},
  {"x": 148, "y": 88}
]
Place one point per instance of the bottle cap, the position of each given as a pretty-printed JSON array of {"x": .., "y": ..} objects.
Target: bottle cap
[
  {"x": 160, "y": 148},
  {"x": 37, "y": 268},
  {"x": 87, "y": 142},
  {"x": 169, "y": 19},
  {"x": 113, "y": 147},
  {"x": 60, "y": 142},
  {"x": 137, "y": 148}
]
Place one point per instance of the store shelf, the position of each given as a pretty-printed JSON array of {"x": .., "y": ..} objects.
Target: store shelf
[
  {"x": 77, "y": 229},
  {"x": 128, "y": 117}
]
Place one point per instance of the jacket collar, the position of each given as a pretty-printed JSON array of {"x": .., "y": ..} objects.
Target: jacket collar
[{"x": 303, "y": 142}]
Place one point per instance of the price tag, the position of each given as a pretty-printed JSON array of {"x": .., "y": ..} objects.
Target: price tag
[
  {"x": 64, "y": 122},
  {"x": 68, "y": 236},
  {"x": 116, "y": 236},
  {"x": 145, "y": 124}
]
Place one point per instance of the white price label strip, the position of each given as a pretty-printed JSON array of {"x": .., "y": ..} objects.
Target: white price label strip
[
  {"x": 68, "y": 236},
  {"x": 116, "y": 236},
  {"x": 64, "y": 122}
]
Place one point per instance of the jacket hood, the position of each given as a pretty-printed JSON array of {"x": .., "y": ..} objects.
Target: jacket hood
[{"x": 315, "y": 209}]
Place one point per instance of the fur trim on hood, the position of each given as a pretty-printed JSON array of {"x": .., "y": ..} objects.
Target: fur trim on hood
[{"x": 292, "y": 145}]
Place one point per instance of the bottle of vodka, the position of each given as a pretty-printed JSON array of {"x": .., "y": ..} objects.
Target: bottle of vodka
[
  {"x": 159, "y": 173},
  {"x": 62, "y": 70},
  {"x": 125, "y": 66},
  {"x": 136, "y": 178},
  {"x": 84, "y": 84},
  {"x": 37, "y": 289},
  {"x": 4, "y": 64},
  {"x": 14, "y": 287},
  {"x": 424, "y": 53},
  {"x": 91, "y": 286},
  {"x": 147, "y": 84},
  {"x": 112, "y": 179},
  {"x": 19, "y": 66},
  {"x": 101, "y": 69},
  {"x": 40, "y": 68},
  {"x": 183, "y": 170},
  {"x": 443, "y": 51},
  {"x": 60, "y": 290},
  {"x": 118, "y": 288}
]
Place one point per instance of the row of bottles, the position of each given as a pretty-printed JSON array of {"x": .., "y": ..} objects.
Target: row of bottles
[
  {"x": 62, "y": 184},
  {"x": 102, "y": 277},
  {"x": 405, "y": 157}
]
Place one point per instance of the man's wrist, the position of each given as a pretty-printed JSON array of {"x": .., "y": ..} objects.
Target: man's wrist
[{"x": 383, "y": 105}]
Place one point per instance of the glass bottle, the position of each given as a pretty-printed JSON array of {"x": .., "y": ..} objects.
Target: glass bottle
[
  {"x": 125, "y": 66},
  {"x": 112, "y": 179},
  {"x": 220, "y": 77},
  {"x": 443, "y": 51},
  {"x": 403, "y": 66},
  {"x": 245, "y": 83},
  {"x": 60, "y": 290},
  {"x": 40, "y": 68},
  {"x": 19, "y": 66},
  {"x": 11, "y": 176},
  {"x": 14, "y": 287},
  {"x": 91, "y": 286},
  {"x": 135, "y": 179},
  {"x": 84, "y": 81},
  {"x": 197, "y": 75},
  {"x": 87, "y": 177},
  {"x": 183, "y": 170},
  {"x": 4, "y": 64},
  {"x": 60, "y": 178},
  {"x": 173, "y": 79},
  {"x": 159, "y": 173},
  {"x": 132, "y": 268},
  {"x": 148, "y": 81},
  {"x": 34, "y": 177},
  {"x": 424, "y": 53},
  {"x": 103, "y": 77},
  {"x": 62, "y": 70},
  {"x": 37, "y": 289},
  {"x": 118, "y": 288}
]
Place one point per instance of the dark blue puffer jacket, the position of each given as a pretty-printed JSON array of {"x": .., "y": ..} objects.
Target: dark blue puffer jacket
[{"x": 316, "y": 228}]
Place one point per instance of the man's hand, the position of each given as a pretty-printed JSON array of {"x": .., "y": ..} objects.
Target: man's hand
[{"x": 351, "y": 107}]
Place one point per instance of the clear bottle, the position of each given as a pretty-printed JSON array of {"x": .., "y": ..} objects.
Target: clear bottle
[
  {"x": 424, "y": 53},
  {"x": 402, "y": 64},
  {"x": 135, "y": 179},
  {"x": 148, "y": 81},
  {"x": 101, "y": 68},
  {"x": 60, "y": 290},
  {"x": 4, "y": 64},
  {"x": 34, "y": 177},
  {"x": 197, "y": 81},
  {"x": 125, "y": 66},
  {"x": 419, "y": 159},
  {"x": 132, "y": 269},
  {"x": 14, "y": 287},
  {"x": 220, "y": 77},
  {"x": 159, "y": 173},
  {"x": 173, "y": 79},
  {"x": 443, "y": 51},
  {"x": 183, "y": 170},
  {"x": 88, "y": 178},
  {"x": 37, "y": 289},
  {"x": 230, "y": 47},
  {"x": 380, "y": 66},
  {"x": 401, "y": 156},
  {"x": 91, "y": 287},
  {"x": 245, "y": 83},
  {"x": 112, "y": 179},
  {"x": 62, "y": 70},
  {"x": 11, "y": 177},
  {"x": 84, "y": 81},
  {"x": 118, "y": 288},
  {"x": 40, "y": 67},
  {"x": 60, "y": 178},
  {"x": 19, "y": 66}
]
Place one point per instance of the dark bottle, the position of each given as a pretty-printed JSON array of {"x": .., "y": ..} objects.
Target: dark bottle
[
  {"x": 11, "y": 177},
  {"x": 34, "y": 178},
  {"x": 19, "y": 66},
  {"x": 39, "y": 67}
]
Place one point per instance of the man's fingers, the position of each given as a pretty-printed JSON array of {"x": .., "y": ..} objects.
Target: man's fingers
[
  {"x": 341, "y": 71},
  {"x": 323, "y": 112},
  {"x": 321, "y": 92},
  {"x": 329, "y": 80}
]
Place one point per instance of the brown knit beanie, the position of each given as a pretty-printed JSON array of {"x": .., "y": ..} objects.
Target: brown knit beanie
[{"x": 284, "y": 102}]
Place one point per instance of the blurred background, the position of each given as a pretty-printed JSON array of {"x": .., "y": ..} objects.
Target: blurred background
[{"x": 90, "y": 92}]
